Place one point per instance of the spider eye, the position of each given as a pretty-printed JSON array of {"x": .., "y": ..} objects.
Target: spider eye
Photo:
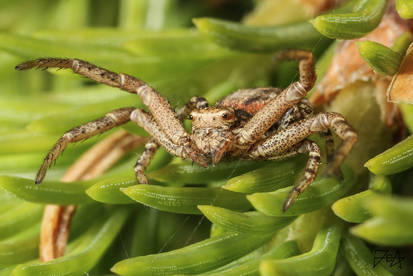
[
  {"x": 191, "y": 117},
  {"x": 225, "y": 115},
  {"x": 203, "y": 106}
]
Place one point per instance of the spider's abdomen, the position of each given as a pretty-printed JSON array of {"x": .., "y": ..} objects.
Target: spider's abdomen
[{"x": 249, "y": 101}]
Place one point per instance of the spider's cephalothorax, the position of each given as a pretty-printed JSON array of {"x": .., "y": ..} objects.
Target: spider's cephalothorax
[
  {"x": 260, "y": 123},
  {"x": 212, "y": 131}
]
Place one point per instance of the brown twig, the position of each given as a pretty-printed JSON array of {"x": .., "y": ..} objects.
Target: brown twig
[{"x": 56, "y": 218}]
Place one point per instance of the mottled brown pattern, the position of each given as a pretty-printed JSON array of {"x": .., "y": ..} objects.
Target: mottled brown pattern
[
  {"x": 260, "y": 123},
  {"x": 249, "y": 100}
]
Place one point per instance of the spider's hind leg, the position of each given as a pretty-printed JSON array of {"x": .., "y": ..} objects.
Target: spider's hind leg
[{"x": 109, "y": 121}]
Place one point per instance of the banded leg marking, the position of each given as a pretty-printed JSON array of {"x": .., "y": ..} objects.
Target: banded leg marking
[
  {"x": 88, "y": 70},
  {"x": 143, "y": 162},
  {"x": 310, "y": 172},
  {"x": 349, "y": 137},
  {"x": 328, "y": 137}
]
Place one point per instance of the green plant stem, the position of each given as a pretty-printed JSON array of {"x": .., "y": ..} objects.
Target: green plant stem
[{"x": 260, "y": 39}]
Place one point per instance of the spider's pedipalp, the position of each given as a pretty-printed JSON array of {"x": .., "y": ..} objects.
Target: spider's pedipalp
[
  {"x": 143, "y": 162},
  {"x": 110, "y": 120}
]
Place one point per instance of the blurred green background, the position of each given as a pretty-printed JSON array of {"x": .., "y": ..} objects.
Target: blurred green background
[{"x": 155, "y": 40}]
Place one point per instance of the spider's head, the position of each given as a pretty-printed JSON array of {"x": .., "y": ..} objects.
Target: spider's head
[{"x": 211, "y": 130}]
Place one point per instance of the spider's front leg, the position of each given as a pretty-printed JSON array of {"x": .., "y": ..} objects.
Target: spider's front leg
[
  {"x": 281, "y": 143},
  {"x": 275, "y": 109},
  {"x": 110, "y": 120},
  {"x": 161, "y": 110},
  {"x": 152, "y": 146}
]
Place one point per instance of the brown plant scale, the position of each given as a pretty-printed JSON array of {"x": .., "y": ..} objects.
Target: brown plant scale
[
  {"x": 347, "y": 67},
  {"x": 56, "y": 220},
  {"x": 262, "y": 123}
]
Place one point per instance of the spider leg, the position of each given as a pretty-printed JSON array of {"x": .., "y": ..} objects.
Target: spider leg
[
  {"x": 301, "y": 111},
  {"x": 306, "y": 110},
  {"x": 152, "y": 146},
  {"x": 290, "y": 96},
  {"x": 281, "y": 143},
  {"x": 87, "y": 70},
  {"x": 160, "y": 108},
  {"x": 110, "y": 120},
  {"x": 328, "y": 137},
  {"x": 186, "y": 150},
  {"x": 310, "y": 171},
  {"x": 339, "y": 125},
  {"x": 281, "y": 156},
  {"x": 143, "y": 162}
]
